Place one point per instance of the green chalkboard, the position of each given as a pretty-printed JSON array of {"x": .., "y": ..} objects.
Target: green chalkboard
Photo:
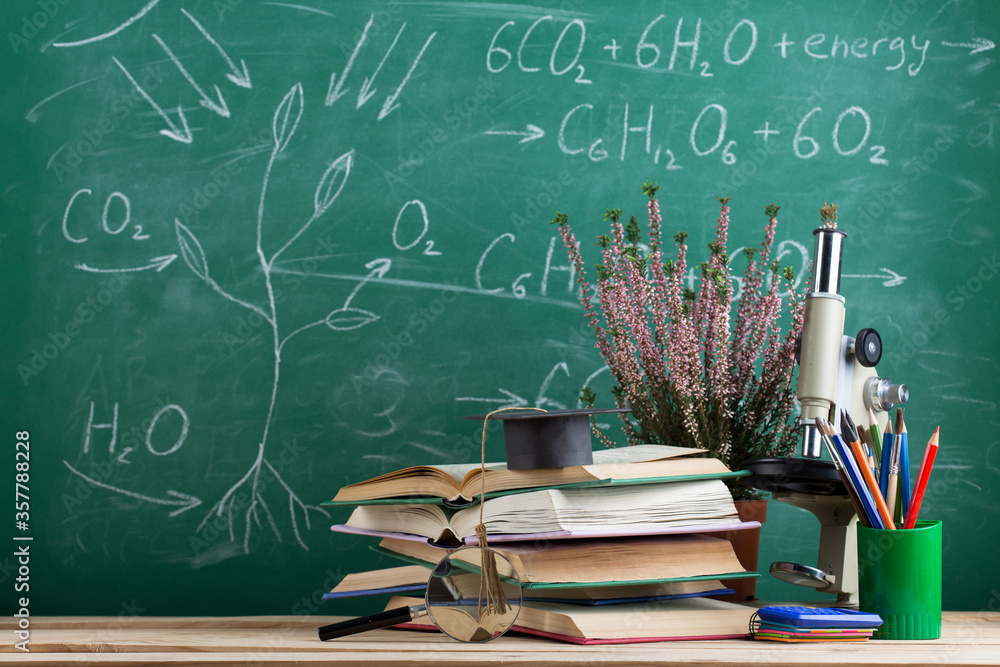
[{"x": 252, "y": 251}]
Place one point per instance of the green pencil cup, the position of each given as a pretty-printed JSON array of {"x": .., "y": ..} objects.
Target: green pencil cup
[{"x": 899, "y": 575}]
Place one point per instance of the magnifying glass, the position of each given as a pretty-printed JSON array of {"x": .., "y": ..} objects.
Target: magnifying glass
[{"x": 463, "y": 599}]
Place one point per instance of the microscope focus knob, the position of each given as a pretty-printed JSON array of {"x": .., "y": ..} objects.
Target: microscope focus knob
[
  {"x": 868, "y": 347},
  {"x": 880, "y": 394}
]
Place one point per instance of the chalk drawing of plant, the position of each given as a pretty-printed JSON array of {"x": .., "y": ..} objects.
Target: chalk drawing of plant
[{"x": 257, "y": 512}]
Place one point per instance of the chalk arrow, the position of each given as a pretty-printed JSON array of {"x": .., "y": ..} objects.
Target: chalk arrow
[
  {"x": 366, "y": 88},
  {"x": 977, "y": 44},
  {"x": 220, "y": 108},
  {"x": 390, "y": 102},
  {"x": 888, "y": 277},
  {"x": 182, "y": 133},
  {"x": 158, "y": 263},
  {"x": 241, "y": 79},
  {"x": 183, "y": 501},
  {"x": 347, "y": 318},
  {"x": 512, "y": 400},
  {"x": 530, "y": 133},
  {"x": 377, "y": 269},
  {"x": 334, "y": 92}
]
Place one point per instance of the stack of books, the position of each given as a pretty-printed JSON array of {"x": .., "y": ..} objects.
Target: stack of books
[{"x": 628, "y": 537}]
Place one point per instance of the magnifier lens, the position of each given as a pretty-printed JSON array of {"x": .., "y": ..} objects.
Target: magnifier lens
[{"x": 461, "y": 602}]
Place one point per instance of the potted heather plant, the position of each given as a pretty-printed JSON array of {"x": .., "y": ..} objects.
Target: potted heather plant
[{"x": 696, "y": 367}]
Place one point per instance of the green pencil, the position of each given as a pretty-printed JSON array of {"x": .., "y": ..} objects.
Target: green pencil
[{"x": 876, "y": 437}]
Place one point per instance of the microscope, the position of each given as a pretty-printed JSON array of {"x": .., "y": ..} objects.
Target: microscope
[{"x": 836, "y": 374}]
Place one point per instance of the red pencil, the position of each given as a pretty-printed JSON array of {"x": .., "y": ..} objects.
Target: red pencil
[{"x": 925, "y": 472}]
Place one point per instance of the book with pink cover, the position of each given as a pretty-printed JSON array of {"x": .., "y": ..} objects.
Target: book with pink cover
[
  {"x": 623, "y": 640},
  {"x": 553, "y": 535},
  {"x": 584, "y": 641},
  {"x": 643, "y": 509},
  {"x": 687, "y": 619}
]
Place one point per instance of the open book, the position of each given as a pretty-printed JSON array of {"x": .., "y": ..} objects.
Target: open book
[
  {"x": 580, "y": 512},
  {"x": 459, "y": 484},
  {"x": 602, "y": 562},
  {"x": 688, "y": 618}
]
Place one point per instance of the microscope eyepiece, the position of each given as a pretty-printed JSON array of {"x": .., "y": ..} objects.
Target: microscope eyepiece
[{"x": 827, "y": 253}]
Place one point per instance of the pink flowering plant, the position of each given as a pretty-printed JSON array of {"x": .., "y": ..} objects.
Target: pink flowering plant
[{"x": 694, "y": 369}]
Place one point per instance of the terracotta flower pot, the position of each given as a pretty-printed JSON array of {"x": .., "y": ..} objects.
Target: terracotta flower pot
[{"x": 746, "y": 544}]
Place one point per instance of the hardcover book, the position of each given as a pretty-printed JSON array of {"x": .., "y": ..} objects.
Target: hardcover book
[
  {"x": 460, "y": 484},
  {"x": 639, "y": 509}
]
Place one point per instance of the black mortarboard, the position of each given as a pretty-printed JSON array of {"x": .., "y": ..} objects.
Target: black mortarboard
[{"x": 553, "y": 439}]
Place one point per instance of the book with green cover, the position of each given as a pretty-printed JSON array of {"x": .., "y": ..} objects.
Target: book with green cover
[
  {"x": 460, "y": 484},
  {"x": 412, "y": 579},
  {"x": 614, "y": 562}
]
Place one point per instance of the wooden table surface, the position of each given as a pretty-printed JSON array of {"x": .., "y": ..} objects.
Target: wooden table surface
[{"x": 968, "y": 638}]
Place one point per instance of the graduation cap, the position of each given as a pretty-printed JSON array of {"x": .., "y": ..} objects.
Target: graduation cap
[{"x": 553, "y": 439}]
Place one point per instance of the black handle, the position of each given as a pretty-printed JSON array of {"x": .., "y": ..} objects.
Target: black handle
[
  {"x": 355, "y": 625},
  {"x": 868, "y": 347}
]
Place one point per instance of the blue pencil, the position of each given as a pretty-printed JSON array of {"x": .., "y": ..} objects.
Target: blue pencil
[
  {"x": 883, "y": 476},
  {"x": 858, "y": 482},
  {"x": 904, "y": 474}
]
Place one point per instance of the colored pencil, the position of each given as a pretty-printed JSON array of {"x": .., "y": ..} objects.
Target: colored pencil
[
  {"x": 922, "y": 476},
  {"x": 892, "y": 487},
  {"x": 866, "y": 473},
  {"x": 904, "y": 475},
  {"x": 851, "y": 491},
  {"x": 866, "y": 444},
  {"x": 867, "y": 503},
  {"x": 886, "y": 459},
  {"x": 850, "y": 433},
  {"x": 876, "y": 437}
]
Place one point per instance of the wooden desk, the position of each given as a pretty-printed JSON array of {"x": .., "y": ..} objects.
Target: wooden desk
[{"x": 967, "y": 639}]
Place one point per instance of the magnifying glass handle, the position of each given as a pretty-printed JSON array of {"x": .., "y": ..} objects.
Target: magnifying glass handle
[{"x": 380, "y": 620}]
